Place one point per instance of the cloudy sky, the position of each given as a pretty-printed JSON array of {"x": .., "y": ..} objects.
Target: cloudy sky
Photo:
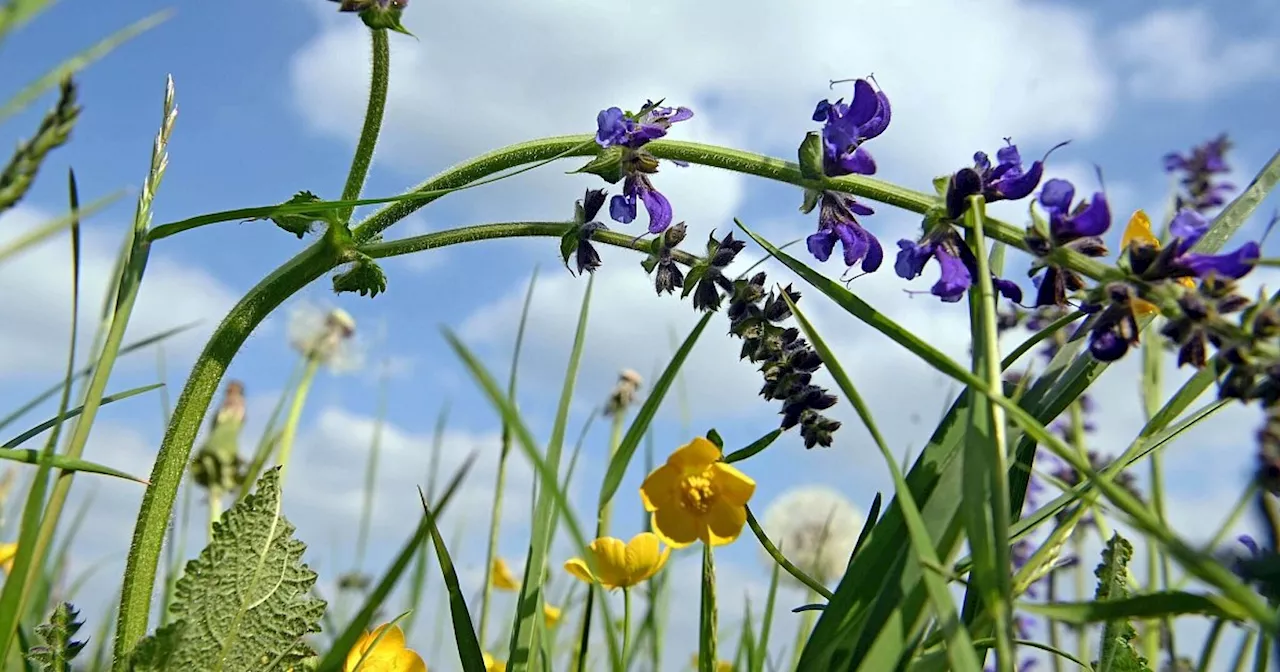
[{"x": 271, "y": 97}]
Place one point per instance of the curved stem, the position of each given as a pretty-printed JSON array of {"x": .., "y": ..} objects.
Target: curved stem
[
  {"x": 175, "y": 449},
  {"x": 378, "y": 81},
  {"x": 290, "y": 429}
]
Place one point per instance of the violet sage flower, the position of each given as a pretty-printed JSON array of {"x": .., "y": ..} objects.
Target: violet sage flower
[
  {"x": 1079, "y": 229},
  {"x": 1004, "y": 181},
  {"x": 377, "y": 14},
  {"x": 1199, "y": 169},
  {"x": 1188, "y": 227},
  {"x": 955, "y": 260},
  {"x": 630, "y": 133},
  {"x": 845, "y": 128}
]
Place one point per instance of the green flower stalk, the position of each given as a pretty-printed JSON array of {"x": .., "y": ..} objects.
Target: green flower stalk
[{"x": 326, "y": 344}]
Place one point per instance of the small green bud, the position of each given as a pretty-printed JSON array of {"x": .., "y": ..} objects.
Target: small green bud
[
  {"x": 940, "y": 184},
  {"x": 300, "y": 223},
  {"x": 811, "y": 155},
  {"x": 811, "y": 199},
  {"x": 607, "y": 164}
]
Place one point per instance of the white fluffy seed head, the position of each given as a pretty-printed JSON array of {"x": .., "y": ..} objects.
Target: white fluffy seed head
[{"x": 816, "y": 528}]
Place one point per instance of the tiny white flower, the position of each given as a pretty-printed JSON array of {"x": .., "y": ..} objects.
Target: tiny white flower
[{"x": 816, "y": 528}]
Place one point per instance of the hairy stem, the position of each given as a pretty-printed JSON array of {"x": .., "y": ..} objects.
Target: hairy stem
[{"x": 378, "y": 82}]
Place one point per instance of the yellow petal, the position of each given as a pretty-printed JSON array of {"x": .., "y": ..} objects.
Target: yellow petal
[
  {"x": 357, "y": 651},
  {"x": 724, "y": 523},
  {"x": 578, "y": 569},
  {"x": 694, "y": 456},
  {"x": 642, "y": 554},
  {"x": 732, "y": 485},
  {"x": 724, "y": 666},
  {"x": 7, "y": 553},
  {"x": 1189, "y": 283},
  {"x": 675, "y": 527},
  {"x": 657, "y": 565},
  {"x": 1139, "y": 231},
  {"x": 1141, "y": 307},
  {"x": 500, "y": 576},
  {"x": 492, "y": 664},
  {"x": 408, "y": 660},
  {"x": 551, "y": 615},
  {"x": 393, "y": 640},
  {"x": 611, "y": 561},
  {"x": 661, "y": 488}
]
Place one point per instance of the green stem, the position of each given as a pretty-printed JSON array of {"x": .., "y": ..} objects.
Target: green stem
[
  {"x": 626, "y": 625},
  {"x": 495, "y": 520},
  {"x": 1080, "y": 572},
  {"x": 615, "y": 440},
  {"x": 371, "y": 478},
  {"x": 378, "y": 81},
  {"x": 1051, "y": 625},
  {"x": 175, "y": 449},
  {"x": 291, "y": 422},
  {"x": 802, "y": 630},
  {"x": 215, "y": 508}
]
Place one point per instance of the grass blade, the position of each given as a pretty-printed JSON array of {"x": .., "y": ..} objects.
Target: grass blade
[
  {"x": 1241, "y": 208},
  {"x": 463, "y": 633},
  {"x": 707, "y": 621},
  {"x": 51, "y": 422}
]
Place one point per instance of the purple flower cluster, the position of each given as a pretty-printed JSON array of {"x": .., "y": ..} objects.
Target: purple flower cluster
[
  {"x": 1198, "y": 172},
  {"x": 1078, "y": 229},
  {"x": 630, "y": 133},
  {"x": 1004, "y": 181},
  {"x": 845, "y": 128}
]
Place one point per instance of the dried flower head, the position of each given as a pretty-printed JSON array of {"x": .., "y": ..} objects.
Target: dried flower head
[
  {"x": 624, "y": 393},
  {"x": 816, "y": 528},
  {"x": 326, "y": 336}
]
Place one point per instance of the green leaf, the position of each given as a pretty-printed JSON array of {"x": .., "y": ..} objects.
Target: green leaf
[
  {"x": 59, "y": 647},
  {"x": 811, "y": 156},
  {"x": 1239, "y": 210},
  {"x": 1117, "y": 652},
  {"x": 244, "y": 603},
  {"x": 364, "y": 276},
  {"x": 607, "y": 164},
  {"x": 755, "y": 447},
  {"x": 714, "y": 437},
  {"x": 463, "y": 632},
  {"x": 300, "y": 223},
  {"x": 1141, "y": 607}
]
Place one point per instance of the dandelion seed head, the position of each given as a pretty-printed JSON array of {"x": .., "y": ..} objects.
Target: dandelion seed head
[{"x": 816, "y": 528}]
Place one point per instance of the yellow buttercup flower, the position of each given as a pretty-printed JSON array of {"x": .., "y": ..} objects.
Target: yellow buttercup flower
[
  {"x": 492, "y": 664},
  {"x": 7, "y": 553},
  {"x": 387, "y": 655},
  {"x": 551, "y": 614},
  {"x": 500, "y": 576},
  {"x": 695, "y": 496},
  {"x": 1138, "y": 232},
  {"x": 621, "y": 565}
]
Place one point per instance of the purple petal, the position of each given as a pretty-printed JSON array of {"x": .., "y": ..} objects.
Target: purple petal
[
  {"x": 858, "y": 208},
  {"x": 1056, "y": 195},
  {"x": 854, "y": 241},
  {"x": 1189, "y": 226},
  {"x": 1007, "y": 288},
  {"x": 823, "y": 111},
  {"x": 955, "y": 280},
  {"x": 1234, "y": 265},
  {"x": 880, "y": 121},
  {"x": 1018, "y": 185},
  {"x": 981, "y": 162},
  {"x": 611, "y": 127},
  {"x": 622, "y": 208},
  {"x": 821, "y": 244},
  {"x": 659, "y": 209},
  {"x": 1249, "y": 543},
  {"x": 1174, "y": 161},
  {"x": 1094, "y": 220},
  {"x": 858, "y": 163},
  {"x": 1008, "y": 156},
  {"x": 875, "y": 253},
  {"x": 865, "y": 103},
  {"x": 1107, "y": 346},
  {"x": 911, "y": 259},
  {"x": 644, "y": 133}
]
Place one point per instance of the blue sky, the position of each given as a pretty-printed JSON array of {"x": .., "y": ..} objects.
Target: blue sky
[{"x": 270, "y": 98}]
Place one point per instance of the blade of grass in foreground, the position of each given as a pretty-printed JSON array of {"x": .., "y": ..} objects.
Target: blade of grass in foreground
[
  {"x": 28, "y": 564},
  {"x": 337, "y": 654},
  {"x": 960, "y": 650},
  {"x": 528, "y": 626},
  {"x": 541, "y": 467},
  {"x": 464, "y": 634},
  {"x": 63, "y": 417}
]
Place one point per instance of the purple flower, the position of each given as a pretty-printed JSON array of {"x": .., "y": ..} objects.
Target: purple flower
[
  {"x": 846, "y": 127},
  {"x": 1078, "y": 228},
  {"x": 615, "y": 128},
  {"x": 1199, "y": 169},
  {"x": 955, "y": 260},
  {"x": 1188, "y": 227},
  {"x": 837, "y": 221},
  {"x": 1004, "y": 181}
]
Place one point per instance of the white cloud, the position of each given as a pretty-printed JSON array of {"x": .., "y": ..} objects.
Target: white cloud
[
  {"x": 37, "y": 305},
  {"x": 1181, "y": 55}
]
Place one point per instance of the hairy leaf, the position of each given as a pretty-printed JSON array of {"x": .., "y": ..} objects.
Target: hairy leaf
[
  {"x": 59, "y": 647},
  {"x": 244, "y": 603}
]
